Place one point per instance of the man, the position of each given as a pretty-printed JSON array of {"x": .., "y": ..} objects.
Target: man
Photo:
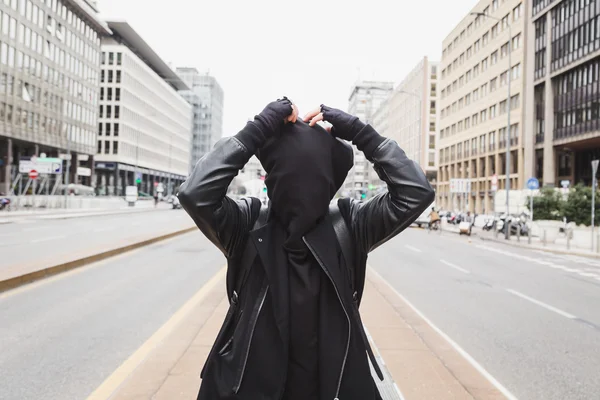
[
  {"x": 296, "y": 274},
  {"x": 434, "y": 217}
]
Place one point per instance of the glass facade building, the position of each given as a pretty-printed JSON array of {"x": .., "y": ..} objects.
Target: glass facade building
[{"x": 49, "y": 78}]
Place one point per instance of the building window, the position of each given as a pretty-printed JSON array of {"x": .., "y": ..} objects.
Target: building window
[
  {"x": 107, "y": 129},
  {"x": 108, "y": 112},
  {"x": 516, "y": 71},
  {"x": 504, "y": 78},
  {"x": 483, "y": 115},
  {"x": 103, "y": 58},
  {"x": 119, "y": 58},
  {"x": 493, "y": 111},
  {"x": 110, "y": 76},
  {"x": 106, "y": 147},
  {"x": 111, "y": 58},
  {"x": 493, "y": 84},
  {"x": 517, "y": 11},
  {"x": 118, "y": 76},
  {"x": 115, "y": 147},
  {"x": 102, "y": 76},
  {"x": 109, "y": 94},
  {"x": 99, "y": 150},
  {"x": 101, "y": 93},
  {"x": 118, "y": 94},
  {"x": 117, "y": 111},
  {"x": 494, "y": 57},
  {"x": 100, "y": 129},
  {"x": 516, "y": 42},
  {"x": 101, "y": 114},
  {"x": 515, "y": 102},
  {"x": 116, "y": 130},
  {"x": 502, "y": 107}
]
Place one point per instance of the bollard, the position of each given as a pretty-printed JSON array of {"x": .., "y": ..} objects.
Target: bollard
[
  {"x": 529, "y": 233},
  {"x": 568, "y": 240},
  {"x": 519, "y": 233},
  {"x": 544, "y": 238}
]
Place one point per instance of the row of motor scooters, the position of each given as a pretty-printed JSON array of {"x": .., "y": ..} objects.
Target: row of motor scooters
[{"x": 518, "y": 224}]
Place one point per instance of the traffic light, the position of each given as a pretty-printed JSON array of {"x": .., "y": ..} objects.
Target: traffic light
[{"x": 363, "y": 194}]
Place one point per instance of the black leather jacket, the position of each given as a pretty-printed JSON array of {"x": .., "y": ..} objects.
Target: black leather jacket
[{"x": 249, "y": 356}]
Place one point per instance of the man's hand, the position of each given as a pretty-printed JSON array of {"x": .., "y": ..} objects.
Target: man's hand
[
  {"x": 276, "y": 114},
  {"x": 345, "y": 126}
]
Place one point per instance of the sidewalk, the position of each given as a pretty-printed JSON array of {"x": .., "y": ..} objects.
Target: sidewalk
[
  {"x": 559, "y": 247},
  {"x": 416, "y": 359},
  {"x": 7, "y": 217}
]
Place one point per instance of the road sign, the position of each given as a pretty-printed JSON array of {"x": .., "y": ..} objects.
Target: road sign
[
  {"x": 565, "y": 184},
  {"x": 33, "y": 174},
  {"x": 533, "y": 184},
  {"x": 41, "y": 165},
  {"x": 595, "y": 166}
]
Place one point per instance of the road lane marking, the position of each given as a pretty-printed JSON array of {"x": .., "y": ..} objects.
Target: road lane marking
[
  {"x": 37, "y": 228},
  {"x": 108, "y": 228},
  {"x": 456, "y": 267},
  {"x": 412, "y": 248},
  {"x": 121, "y": 374},
  {"x": 48, "y": 239},
  {"x": 452, "y": 343},
  {"x": 542, "y": 304}
]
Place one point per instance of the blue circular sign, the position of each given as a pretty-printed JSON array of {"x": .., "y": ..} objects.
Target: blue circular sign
[{"x": 533, "y": 184}]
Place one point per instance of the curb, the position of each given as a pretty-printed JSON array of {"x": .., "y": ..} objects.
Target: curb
[
  {"x": 546, "y": 249},
  {"x": 47, "y": 272},
  {"x": 12, "y": 219}
]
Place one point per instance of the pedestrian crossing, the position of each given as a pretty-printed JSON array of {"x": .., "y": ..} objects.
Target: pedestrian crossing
[{"x": 581, "y": 266}]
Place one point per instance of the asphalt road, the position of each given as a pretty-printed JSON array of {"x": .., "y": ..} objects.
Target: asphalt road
[
  {"x": 531, "y": 319},
  {"x": 40, "y": 240},
  {"x": 62, "y": 337}
]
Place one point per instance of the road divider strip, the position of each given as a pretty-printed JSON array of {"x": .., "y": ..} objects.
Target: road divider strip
[
  {"x": 112, "y": 384},
  {"x": 46, "y": 272},
  {"x": 466, "y": 379}
]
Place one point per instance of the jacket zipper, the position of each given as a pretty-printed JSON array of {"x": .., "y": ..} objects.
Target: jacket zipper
[
  {"x": 337, "y": 392},
  {"x": 236, "y": 388}
]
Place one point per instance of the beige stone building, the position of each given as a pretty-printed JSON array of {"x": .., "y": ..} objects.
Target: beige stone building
[
  {"x": 472, "y": 133},
  {"x": 563, "y": 94}
]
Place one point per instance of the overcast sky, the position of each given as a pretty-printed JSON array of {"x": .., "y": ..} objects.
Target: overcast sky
[{"x": 311, "y": 50}]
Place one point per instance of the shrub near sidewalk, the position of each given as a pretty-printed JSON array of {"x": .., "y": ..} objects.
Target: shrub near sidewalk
[
  {"x": 547, "y": 206},
  {"x": 578, "y": 206}
]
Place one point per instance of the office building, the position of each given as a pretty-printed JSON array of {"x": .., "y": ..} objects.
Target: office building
[
  {"x": 206, "y": 97},
  {"x": 145, "y": 125},
  {"x": 562, "y": 134},
  {"x": 49, "y": 70},
  {"x": 473, "y": 124},
  {"x": 365, "y": 98},
  {"x": 409, "y": 116}
]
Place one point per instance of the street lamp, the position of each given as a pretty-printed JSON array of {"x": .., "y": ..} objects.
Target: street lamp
[
  {"x": 508, "y": 138},
  {"x": 420, "y": 121}
]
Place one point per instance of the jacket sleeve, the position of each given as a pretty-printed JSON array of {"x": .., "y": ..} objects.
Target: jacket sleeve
[
  {"x": 409, "y": 193},
  {"x": 224, "y": 221}
]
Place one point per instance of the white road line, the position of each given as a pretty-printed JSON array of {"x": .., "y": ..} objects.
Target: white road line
[
  {"x": 452, "y": 343},
  {"x": 541, "y": 304},
  {"x": 455, "y": 267},
  {"x": 588, "y": 274},
  {"x": 37, "y": 228},
  {"x": 412, "y": 248},
  {"x": 48, "y": 239},
  {"x": 108, "y": 228}
]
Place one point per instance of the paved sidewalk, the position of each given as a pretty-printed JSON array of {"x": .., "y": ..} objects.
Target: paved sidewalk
[
  {"x": 416, "y": 359},
  {"x": 7, "y": 217}
]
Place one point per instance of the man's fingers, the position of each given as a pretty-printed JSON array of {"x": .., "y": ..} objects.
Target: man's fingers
[
  {"x": 316, "y": 119},
  {"x": 293, "y": 117},
  {"x": 312, "y": 114}
]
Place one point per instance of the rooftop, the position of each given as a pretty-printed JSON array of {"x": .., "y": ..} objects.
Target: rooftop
[
  {"x": 87, "y": 10},
  {"x": 124, "y": 33}
]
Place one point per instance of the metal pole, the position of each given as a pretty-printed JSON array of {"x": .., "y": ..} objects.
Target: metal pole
[
  {"x": 66, "y": 195},
  {"x": 593, "y": 205},
  {"x": 508, "y": 133},
  {"x": 420, "y": 131},
  {"x": 531, "y": 212},
  {"x": 169, "y": 181}
]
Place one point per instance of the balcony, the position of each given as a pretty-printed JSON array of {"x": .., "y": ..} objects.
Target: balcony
[{"x": 539, "y": 138}]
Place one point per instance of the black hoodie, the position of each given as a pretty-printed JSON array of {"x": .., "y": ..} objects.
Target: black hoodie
[{"x": 305, "y": 168}]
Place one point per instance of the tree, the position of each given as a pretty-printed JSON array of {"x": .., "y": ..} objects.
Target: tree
[
  {"x": 546, "y": 206},
  {"x": 578, "y": 206}
]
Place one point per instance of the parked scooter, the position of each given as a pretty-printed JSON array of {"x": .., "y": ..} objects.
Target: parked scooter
[{"x": 4, "y": 203}]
